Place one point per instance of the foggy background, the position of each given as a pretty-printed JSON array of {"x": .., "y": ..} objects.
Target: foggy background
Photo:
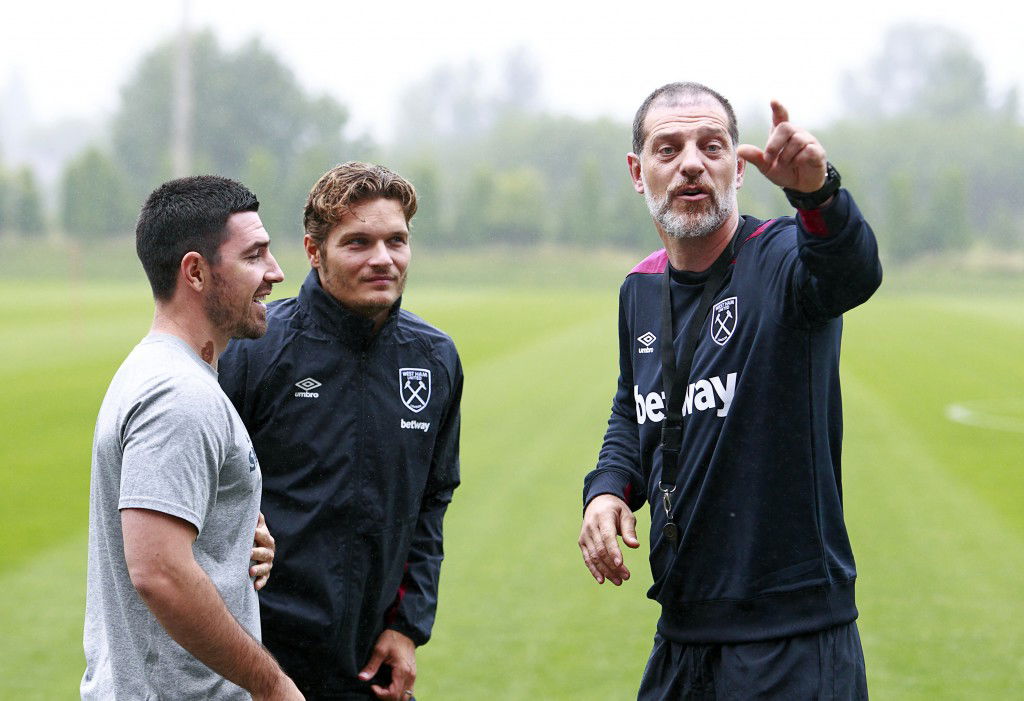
[{"x": 512, "y": 123}]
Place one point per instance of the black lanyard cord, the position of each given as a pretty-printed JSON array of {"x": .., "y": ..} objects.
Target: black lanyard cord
[{"x": 674, "y": 379}]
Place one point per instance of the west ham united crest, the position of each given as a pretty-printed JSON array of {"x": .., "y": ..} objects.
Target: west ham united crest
[
  {"x": 414, "y": 388},
  {"x": 723, "y": 320}
]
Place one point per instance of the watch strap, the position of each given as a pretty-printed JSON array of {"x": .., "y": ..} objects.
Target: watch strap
[{"x": 813, "y": 200}]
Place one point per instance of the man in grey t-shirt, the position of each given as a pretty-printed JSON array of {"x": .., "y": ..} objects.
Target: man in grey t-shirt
[{"x": 171, "y": 611}]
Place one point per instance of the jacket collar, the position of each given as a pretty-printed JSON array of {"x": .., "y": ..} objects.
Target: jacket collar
[{"x": 336, "y": 319}]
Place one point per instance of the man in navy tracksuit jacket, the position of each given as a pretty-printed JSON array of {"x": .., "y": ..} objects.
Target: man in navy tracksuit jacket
[
  {"x": 353, "y": 408},
  {"x": 757, "y": 589}
]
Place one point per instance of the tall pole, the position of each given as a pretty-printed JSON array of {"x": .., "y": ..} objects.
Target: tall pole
[{"x": 181, "y": 125}]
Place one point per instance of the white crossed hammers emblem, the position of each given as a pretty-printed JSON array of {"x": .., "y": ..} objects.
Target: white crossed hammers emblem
[
  {"x": 415, "y": 387},
  {"x": 721, "y": 322},
  {"x": 414, "y": 394},
  {"x": 721, "y": 329}
]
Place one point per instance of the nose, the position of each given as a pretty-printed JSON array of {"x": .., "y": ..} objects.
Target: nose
[
  {"x": 379, "y": 255},
  {"x": 691, "y": 164},
  {"x": 274, "y": 274}
]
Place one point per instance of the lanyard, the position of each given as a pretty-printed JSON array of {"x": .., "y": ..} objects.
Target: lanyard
[{"x": 674, "y": 379}]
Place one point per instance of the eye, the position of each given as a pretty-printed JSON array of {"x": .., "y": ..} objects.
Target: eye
[{"x": 666, "y": 150}]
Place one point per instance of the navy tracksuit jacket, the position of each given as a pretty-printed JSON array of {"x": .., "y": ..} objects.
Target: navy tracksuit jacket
[
  {"x": 764, "y": 551},
  {"x": 358, "y": 440}
]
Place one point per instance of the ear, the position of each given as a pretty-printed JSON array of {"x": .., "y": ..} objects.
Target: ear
[
  {"x": 741, "y": 169},
  {"x": 633, "y": 161},
  {"x": 312, "y": 251},
  {"x": 194, "y": 271}
]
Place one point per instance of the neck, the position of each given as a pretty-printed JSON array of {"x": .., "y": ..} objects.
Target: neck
[
  {"x": 193, "y": 328},
  {"x": 698, "y": 254}
]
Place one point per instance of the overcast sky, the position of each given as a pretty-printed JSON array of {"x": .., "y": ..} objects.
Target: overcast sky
[{"x": 73, "y": 57}]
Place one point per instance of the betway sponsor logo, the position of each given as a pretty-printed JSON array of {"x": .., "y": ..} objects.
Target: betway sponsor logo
[
  {"x": 416, "y": 425},
  {"x": 702, "y": 395}
]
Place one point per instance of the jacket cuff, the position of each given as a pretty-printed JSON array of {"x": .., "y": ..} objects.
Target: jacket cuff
[
  {"x": 826, "y": 221},
  {"x": 609, "y": 482},
  {"x": 414, "y": 634}
]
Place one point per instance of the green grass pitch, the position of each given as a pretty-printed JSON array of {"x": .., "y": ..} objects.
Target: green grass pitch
[{"x": 933, "y": 505}]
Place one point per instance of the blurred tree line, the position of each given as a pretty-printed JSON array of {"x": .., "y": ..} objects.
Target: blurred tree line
[
  {"x": 21, "y": 203},
  {"x": 930, "y": 156}
]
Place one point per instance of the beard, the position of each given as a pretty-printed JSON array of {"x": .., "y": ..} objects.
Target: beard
[
  {"x": 344, "y": 286},
  {"x": 709, "y": 218},
  {"x": 226, "y": 315}
]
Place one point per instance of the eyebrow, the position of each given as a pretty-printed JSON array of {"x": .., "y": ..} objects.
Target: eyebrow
[
  {"x": 701, "y": 132},
  {"x": 255, "y": 246},
  {"x": 396, "y": 232}
]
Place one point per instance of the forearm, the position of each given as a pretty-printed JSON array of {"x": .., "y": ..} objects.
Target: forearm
[
  {"x": 416, "y": 605},
  {"x": 840, "y": 253},
  {"x": 189, "y": 607},
  {"x": 618, "y": 469}
]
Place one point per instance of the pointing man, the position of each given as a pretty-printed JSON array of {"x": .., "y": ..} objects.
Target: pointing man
[{"x": 727, "y": 418}]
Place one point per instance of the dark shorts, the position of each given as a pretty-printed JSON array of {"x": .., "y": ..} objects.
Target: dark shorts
[{"x": 819, "y": 666}]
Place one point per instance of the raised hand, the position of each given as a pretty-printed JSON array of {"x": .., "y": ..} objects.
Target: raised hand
[{"x": 792, "y": 157}]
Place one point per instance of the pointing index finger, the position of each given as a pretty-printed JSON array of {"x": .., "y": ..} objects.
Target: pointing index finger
[{"x": 779, "y": 113}]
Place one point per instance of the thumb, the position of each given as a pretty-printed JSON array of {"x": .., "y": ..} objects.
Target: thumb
[
  {"x": 752, "y": 154},
  {"x": 372, "y": 666},
  {"x": 627, "y": 527}
]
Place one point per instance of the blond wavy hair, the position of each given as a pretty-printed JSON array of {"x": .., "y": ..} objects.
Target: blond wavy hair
[{"x": 347, "y": 185}]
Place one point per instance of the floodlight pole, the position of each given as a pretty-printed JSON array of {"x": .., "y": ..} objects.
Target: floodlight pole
[{"x": 181, "y": 126}]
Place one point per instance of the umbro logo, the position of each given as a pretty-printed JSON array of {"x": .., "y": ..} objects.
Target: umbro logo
[
  {"x": 647, "y": 339},
  {"x": 306, "y": 386}
]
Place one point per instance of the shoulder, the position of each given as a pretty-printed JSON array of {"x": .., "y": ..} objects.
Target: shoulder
[
  {"x": 654, "y": 264},
  {"x": 644, "y": 276},
  {"x": 768, "y": 237},
  {"x": 176, "y": 387},
  {"x": 411, "y": 326},
  {"x": 282, "y": 308}
]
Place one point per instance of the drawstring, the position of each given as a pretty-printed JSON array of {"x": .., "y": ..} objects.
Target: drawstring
[{"x": 704, "y": 678}]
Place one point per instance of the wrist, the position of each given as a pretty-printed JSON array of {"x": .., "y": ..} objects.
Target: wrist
[
  {"x": 272, "y": 684},
  {"x": 820, "y": 197}
]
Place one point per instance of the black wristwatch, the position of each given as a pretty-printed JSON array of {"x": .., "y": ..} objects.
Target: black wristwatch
[{"x": 813, "y": 200}]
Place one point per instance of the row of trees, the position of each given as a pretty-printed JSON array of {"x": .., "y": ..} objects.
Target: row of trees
[
  {"x": 931, "y": 158},
  {"x": 21, "y": 205}
]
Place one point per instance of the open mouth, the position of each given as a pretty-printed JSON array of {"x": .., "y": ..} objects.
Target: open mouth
[{"x": 690, "y": 192}]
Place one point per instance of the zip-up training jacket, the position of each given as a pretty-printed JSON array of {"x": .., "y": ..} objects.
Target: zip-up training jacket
[
  {"x": 357, "y": 435},
  {"x": 763, "y": 550}
]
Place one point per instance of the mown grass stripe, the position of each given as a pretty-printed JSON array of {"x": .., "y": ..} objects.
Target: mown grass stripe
[{"x": 940, "y": 572}]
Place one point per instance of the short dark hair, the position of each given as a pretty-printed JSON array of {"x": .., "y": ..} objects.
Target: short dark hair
[
  {"x": 183, "y": 215},
  {"x": 349, "y": 184},
  {"x": 679, "y": 92}
]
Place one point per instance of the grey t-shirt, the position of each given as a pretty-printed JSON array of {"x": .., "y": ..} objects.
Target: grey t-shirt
[{"x": 167, "y": 439}]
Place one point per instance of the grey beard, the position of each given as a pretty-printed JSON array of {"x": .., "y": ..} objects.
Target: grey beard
[{"x": 690, "y": 226}]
